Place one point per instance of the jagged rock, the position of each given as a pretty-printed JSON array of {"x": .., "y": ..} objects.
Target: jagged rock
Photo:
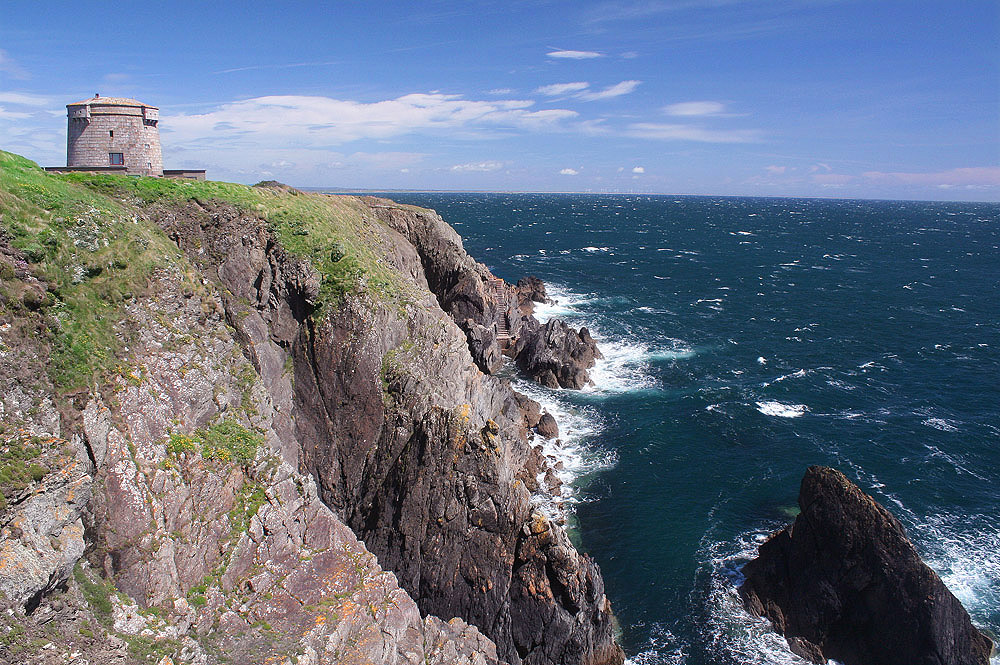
[
  {"x": 529, "y": 291},
  {"x": 843, "y": 582},
  {"x": 547, "y": 426},
  {"x": 484, "y": 347},
  {"x": 41, "y": 536},
  {"x": 557, "y": 356},
  {"x": 373, "y": 421}
]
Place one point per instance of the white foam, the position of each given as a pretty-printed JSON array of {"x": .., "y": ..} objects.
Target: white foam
[
  {"x": 571, "y": 452},
  {"x": 661, "y": 648},
  {"x": 625, "y": 365},
  {"x": 781, "y": 410},
  {"x": 732, "y": 632},
  {"x": 965, "y": 551},
  {"x": 596, "y": 249}
]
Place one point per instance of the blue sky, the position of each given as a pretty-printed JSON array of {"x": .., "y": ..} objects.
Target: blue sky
[{"x": 840, "y": 98}]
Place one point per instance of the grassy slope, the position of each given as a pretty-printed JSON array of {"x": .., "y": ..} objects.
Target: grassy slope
[{"x": 86, "y": 237}]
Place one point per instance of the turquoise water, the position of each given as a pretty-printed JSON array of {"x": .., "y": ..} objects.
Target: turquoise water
[{"x": 747, "y": 339}]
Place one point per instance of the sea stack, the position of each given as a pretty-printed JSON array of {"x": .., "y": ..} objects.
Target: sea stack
[{"x": 844, "y": 582}]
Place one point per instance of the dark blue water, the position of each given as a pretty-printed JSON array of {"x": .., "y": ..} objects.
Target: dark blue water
[{"x": 748, "y": 339}]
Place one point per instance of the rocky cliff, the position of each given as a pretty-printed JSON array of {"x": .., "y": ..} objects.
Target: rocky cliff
[
  {"x": 255, "y": 425},
  {"x": 843, "y": 582}
]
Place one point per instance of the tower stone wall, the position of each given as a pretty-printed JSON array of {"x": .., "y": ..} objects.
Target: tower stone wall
[{"x": 102, "y": 128}]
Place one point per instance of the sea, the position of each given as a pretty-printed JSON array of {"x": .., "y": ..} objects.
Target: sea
[{"x": 745, "y": 339}]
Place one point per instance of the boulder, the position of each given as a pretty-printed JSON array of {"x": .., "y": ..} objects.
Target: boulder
[
  {"x": 844, "y": 582},
  {"x": 531, "y": 410},
  {"x": 547, "y": 426}
]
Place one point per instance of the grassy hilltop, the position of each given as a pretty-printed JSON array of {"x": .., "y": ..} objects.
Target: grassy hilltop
[{"x": 86, "y": 237}]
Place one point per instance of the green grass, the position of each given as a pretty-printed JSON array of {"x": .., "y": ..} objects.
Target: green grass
[
  {"x": 328, "y": 231},
  {"x": 18, "y": 466},
  {"x": 224, "y": 441},
  {"x": 248, "y": 502},
  {"x": 94, "y": 253},
  {"x": 85, "y": 235},
  {"x": 96, "y": 593}
]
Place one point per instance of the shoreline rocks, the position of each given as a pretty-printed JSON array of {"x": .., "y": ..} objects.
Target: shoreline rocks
[
  {"x": 557, "y": 356},
  {"x": 844, "y": 582}
]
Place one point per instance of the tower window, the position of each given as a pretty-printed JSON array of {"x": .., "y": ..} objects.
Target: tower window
[
  {"x": 116, "y": 159},
  {"x": 111, "y": 133}
]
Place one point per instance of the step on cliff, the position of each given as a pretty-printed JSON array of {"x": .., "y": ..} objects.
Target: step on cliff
[
  {"x": 247, "y": 424},
  {"x": 844, "y": 582}
]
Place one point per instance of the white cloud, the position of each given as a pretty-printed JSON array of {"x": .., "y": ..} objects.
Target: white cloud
[
  {"x": 569, "y": 172},
  {"x": 574, "y": 55},
  {"x": 24, "y": 99},
  {"x": 500, "y": 91},
  {"x": 630, "y": 55},
  {"x": 694, "y": 108},
  {"x": 665, "y": 132},
  {"x": 820, "y": 166},
  {"x": 616, "y": 90},
  {"x": 638, "y": 169},
  {"x": 776, "y": 170},
  {"x": 480, "y": 167},
  {"x": 562, "y": 88},
  {"x": 318, "y": 122}
]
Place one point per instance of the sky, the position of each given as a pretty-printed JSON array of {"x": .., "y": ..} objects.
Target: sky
[{"x": 830, "y": 98}]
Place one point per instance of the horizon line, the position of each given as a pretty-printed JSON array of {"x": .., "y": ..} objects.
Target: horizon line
[{"x": 344, "y": 191}]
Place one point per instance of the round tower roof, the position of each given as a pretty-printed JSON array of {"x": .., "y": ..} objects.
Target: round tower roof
[{"x": 112, "y": 101}]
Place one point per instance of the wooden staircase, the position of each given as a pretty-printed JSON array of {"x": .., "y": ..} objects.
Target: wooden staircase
[{"x": 497, "y": 288}]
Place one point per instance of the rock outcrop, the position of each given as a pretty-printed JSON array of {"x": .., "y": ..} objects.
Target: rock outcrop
[
  {"x": 530, "y": 290},
  {"x": 556, "y": 355},
  {"x": 424, "y": 456},
  {"x": 489, "y": 310},
  {"x": 844, "y": 582},
  {"x": 291, "y": 455}
]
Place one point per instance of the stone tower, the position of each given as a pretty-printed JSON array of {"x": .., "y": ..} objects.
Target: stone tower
[{"x": 114, "y": 132}]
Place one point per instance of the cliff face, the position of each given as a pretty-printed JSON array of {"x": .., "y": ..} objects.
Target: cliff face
[
  {"x": 844, "y": 582},
  {"x": 269, "y": 421}
]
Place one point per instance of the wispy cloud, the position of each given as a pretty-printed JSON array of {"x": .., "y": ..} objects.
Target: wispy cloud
[
  {"x": 574, "y": 55},
  {"x": 694, "y": 108},
  {"x": 557, "y": 89},
  {"x": 318, "y": 122},
  {"x": 669, "y": 132},
  {"x": 638, "y": 169},
  {"x": 477, "y": 167},
  {"x": 616, "y": 90},
  {"x": 24, "y": 99},
  {"x": 581, "y": 90},
  {"x": 569, "y": 172},
  {"x": 976, "y": 176},
  {"x": 498, "y": 92},
  {"x": 287, "y": 65},
  {"x": 776, "y": 170},
  {"x": 14, "y": 70}
]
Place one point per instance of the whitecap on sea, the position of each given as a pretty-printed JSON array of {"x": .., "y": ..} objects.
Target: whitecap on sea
[{"x": 772, "y": 408}]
